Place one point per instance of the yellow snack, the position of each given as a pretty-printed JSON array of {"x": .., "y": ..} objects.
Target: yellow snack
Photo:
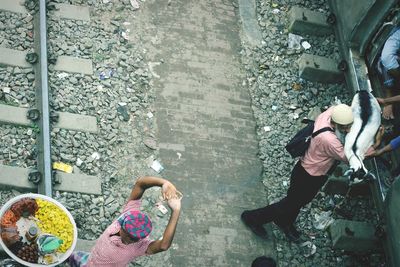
[{"x": 53, "y": 220}]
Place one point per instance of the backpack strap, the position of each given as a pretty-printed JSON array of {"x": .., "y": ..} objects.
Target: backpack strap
[{"x": 314, "y": 134}]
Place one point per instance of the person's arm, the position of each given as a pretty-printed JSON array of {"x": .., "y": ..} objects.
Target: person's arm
[
  {"x": 394, "y": 144},
  {"x": 335, "y": 149},
  {"x": 169, "y": 233},
  {"x": 378, "y": 137},
  {"x": 385, "y": 149},
  {"x": 168, "y": 189},
  {"x": 389, "y": 100}
]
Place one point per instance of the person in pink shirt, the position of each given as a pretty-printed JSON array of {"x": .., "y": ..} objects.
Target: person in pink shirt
[
  {"x": 308, "y": 175},
  {"x": 128, "y": 236}
]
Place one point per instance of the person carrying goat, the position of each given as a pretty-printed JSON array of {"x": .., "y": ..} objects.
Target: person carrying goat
[{"x": 308, "y": 175}]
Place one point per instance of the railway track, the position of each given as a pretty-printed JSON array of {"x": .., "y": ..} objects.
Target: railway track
[{"x": 36, "y": 112}]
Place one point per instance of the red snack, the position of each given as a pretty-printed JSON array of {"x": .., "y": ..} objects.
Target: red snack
[
  {"x": 25, "y": 207},
  {"x": 9, "y": 219}
]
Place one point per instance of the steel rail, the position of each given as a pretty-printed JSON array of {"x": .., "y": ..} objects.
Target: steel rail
[{"x": 42, "y": 97}]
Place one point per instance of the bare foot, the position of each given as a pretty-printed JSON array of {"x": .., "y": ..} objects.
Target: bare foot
[{"x": 388, "y": 112}]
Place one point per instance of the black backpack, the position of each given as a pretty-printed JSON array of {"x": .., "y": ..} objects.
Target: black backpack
[{"x": 299, "y": 144}]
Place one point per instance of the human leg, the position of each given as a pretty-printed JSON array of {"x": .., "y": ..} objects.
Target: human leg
[{"x": 302, "y": 190}]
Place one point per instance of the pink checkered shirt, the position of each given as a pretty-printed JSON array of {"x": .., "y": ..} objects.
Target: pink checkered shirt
[
  {"x": 324, "y": 149},
  {"x": 109, "y": 251}
]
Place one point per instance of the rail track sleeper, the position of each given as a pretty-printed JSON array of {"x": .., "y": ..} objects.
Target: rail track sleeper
[
  {"x": 74, "y": 65},
  {"x": 73, "y": 12},
  {"x": 12, "y": 57},
  {"x": 79, "y": 183},
  {"x": 12, "y": 6},
  {"x": 77, "y": 122},
  {"x": 16, "y": 115},
  {"x": 17, "y": 177}
]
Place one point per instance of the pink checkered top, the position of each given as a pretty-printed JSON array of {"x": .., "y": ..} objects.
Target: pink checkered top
[{"x": 109, "y": 251}]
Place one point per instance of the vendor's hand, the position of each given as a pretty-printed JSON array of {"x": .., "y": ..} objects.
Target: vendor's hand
[
  {"x": 168, "y": 190},
  {"x": 388, "y": 112},
  {"x": 174, "y": 204}
]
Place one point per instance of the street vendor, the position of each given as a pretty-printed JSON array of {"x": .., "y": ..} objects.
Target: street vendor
[{"x": 128, "y": 236}]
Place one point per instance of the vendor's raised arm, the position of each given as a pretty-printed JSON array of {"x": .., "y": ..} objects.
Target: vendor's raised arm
[
  {"x": 166, "y": 241},
  {"x": 143, "y": 183}
]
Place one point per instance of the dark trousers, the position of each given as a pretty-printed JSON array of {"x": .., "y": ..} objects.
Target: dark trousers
[{"x": 303, "y": 188}]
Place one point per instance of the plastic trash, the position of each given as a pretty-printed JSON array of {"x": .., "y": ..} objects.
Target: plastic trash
[
  {"x": 48, "y": 243},
  {"x": 275, "y": 11},
  {"x": 308, "y": 248},
  {"x": 95, "y": 155},
  {"x": 134, "y": 4},
  {"x": 306, "y": 45},
  {"x": 63, "y": 167},
  {"x": 157, "y": 166},
  {"x": 150, "y": 115},
  {"x": 323, "y": 220},
  {"x": 102, "y": 75},
  {"x": 162, "y": 208},
  {"x": 79, "y": 162},
  {"x": 294, "y": 41},
  {"x": 267, "y": 129},
  {"x": 125, "y": 35},
  {"x": 107, "y": 74},
  {"x": 62, "y": 75},
  {"x": 179, "y": 155}
]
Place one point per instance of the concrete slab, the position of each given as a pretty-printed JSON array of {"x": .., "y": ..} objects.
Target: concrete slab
[
  {"x": 14, "y": 115},
  {"x": 72, "y": 12},
  {"x": 77, "y": 122},
  {"x": 319, "y": 69},
  {"x": 353, "y": 236},
  {"x": 336, "y": 185},
  {"x": 78, "y": 182},
  {"x": 15, "y": 177},
  {"x": 306, "y": 21},
  {"x": 70, "y": 121},
  {"x": 12, "y": 6},
  {"x": 74, "y": 64},
  {"x": 11, "y": 57},
  {"x": 203, "y": 112},
  {"x": 247, "y": 10},
  {"x": 18, "y": 177}
]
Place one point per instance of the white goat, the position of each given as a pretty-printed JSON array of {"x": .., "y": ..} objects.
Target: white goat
[{"x": 367, "y": 119}]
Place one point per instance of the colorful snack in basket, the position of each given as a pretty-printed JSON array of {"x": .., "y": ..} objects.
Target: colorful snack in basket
[
  {"x": 55, "y": 221},
  {"x": 9, "y": 219},
  {"x": 10, "y": 235},
  {"x": 29, "y": 253},
  {"x": 25, "y": 207}
]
